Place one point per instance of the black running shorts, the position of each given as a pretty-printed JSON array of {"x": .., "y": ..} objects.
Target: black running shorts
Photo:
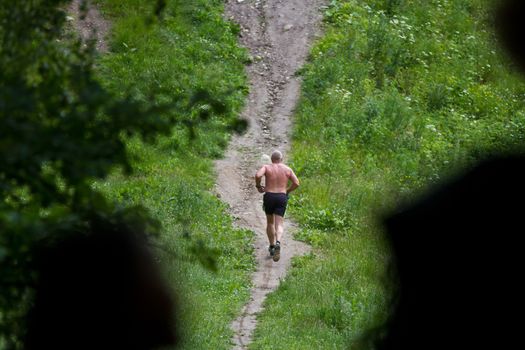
[{"x": 274, "y": 203}]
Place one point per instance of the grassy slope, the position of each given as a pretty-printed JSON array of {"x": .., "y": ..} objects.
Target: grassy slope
[
  {"x": 192, "y": 48},
  {"x": 396, "y": 96}
]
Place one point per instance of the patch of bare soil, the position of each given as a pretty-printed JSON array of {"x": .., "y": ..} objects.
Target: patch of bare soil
[
  {"x": 278, "y": 34},
  {"x": 89, "y": 23}
]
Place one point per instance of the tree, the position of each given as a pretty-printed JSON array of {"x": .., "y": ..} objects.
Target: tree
[{"x": 59, "y": 131}]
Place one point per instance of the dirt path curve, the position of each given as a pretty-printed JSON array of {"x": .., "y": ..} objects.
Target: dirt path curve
[
  {"x": 92, "y": 25},
  {"x": 278, "y": 34}
]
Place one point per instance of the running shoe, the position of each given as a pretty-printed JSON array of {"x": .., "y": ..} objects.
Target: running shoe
[{"x": 277, "y": 254}]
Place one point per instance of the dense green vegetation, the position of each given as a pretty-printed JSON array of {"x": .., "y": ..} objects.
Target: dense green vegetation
[
  {"x": 175, "y": 69},
  {"x": 190, "y": 50},
  {"x": 59, "y": 130},
  {"x": 397, "y": 95}
]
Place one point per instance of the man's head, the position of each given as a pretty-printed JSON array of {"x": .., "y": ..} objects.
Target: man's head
[{"x": 277, "y": 156}]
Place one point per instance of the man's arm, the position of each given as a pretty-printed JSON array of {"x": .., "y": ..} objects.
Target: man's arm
[
  {"x": 258, "y": 177},
  {"x": 295, "y": 182}
]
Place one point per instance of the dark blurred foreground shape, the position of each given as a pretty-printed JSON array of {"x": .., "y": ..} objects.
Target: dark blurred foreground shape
[
  {"x": 100, "y": 290},
  {"x": 459, "y": 252},
  {"x": 510, "y": 29},
  {"x": 460, "y": 262}
]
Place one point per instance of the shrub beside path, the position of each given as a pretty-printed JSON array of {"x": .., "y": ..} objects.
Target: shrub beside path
[{"x": 278, "y": 34}]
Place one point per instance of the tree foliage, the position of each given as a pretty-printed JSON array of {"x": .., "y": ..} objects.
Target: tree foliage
[{"x": 60, "y": 130}]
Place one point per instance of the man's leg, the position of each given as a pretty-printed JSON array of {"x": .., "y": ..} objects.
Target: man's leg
[
  {"x": 279, "y": 227},
  {"x": 270, "y": 228}
]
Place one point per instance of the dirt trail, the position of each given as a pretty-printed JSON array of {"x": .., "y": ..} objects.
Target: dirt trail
[
  {"x": 278, "y": 34},
  {"x": 92, "y": 25}
]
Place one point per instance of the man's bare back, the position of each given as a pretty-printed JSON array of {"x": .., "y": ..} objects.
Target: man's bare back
[{"x": 276, "y": 177}]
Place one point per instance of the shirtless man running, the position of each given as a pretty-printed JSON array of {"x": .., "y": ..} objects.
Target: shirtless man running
[{"x": 275, "y": 198}]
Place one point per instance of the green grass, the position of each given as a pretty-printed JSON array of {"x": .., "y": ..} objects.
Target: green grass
[
  {"x": 397, "y": 95},
  {"x": 192, "y": 48}
]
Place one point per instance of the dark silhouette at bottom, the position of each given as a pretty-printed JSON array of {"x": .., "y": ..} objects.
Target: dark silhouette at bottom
[
  {"x": 100, "y": 290},
  {"x": 460, "y": 262}
]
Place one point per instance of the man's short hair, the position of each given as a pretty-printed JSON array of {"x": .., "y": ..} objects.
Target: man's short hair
[{"x": 277, "y": 156}]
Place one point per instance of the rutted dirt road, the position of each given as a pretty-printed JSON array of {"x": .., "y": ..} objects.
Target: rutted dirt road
[{"x": 278, "y": 34}]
